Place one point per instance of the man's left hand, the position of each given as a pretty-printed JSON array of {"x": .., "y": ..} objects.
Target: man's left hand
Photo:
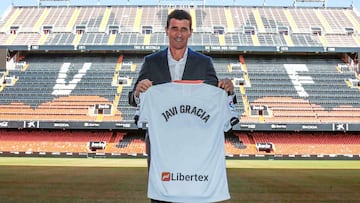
[{"x": 227, "y": 85}]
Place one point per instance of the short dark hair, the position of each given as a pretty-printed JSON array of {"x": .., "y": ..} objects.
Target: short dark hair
[{"x": 178, "y": 15}]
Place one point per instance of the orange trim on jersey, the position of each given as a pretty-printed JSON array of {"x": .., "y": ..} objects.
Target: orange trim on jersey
[{"x": 189, "y": 81}]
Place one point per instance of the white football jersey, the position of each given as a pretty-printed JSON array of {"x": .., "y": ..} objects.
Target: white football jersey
[{"x": 186, "y": 124}]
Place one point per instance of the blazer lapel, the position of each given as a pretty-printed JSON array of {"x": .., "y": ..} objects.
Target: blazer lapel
[
  {"x": 188, "y": 64},
  {"x": 165, "y": 65}
]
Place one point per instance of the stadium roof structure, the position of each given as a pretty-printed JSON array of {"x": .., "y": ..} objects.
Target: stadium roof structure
[
  {"x": 177, "y": 2},
  {"x": 283, "y": 3}
]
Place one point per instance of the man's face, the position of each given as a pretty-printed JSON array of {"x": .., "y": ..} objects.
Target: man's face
[{"x": 178, "y": 32}]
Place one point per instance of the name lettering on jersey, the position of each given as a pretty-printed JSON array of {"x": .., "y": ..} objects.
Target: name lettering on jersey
[
  {"x": 168, "y": 176},
  {"x": 188, "y": 109},
  {"x": 169, "y": 113}
]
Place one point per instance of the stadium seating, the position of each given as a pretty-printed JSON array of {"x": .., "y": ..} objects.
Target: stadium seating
[
  {"x": 240, "y": 26},
  {"x": 237, "y": 144},
  {"x": 287, "y": 143},
  {"x": 316, "y": 99},
  {"x": 71, "y": 141},
  {"x": 311, "y": 143},
  {"x": 36, "y": 96},
  {"x": 246, "y": 43},
  {"x": 50, "y": 141},
  {"x": 313, "y": 99}
]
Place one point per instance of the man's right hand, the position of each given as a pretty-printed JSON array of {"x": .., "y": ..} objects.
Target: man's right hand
[{"x": 142, "y": 86}]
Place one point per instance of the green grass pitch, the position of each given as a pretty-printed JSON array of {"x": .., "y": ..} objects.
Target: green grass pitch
[{"x": 125, "y": 180}]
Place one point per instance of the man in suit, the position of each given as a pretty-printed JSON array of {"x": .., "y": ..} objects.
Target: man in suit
[{"x": 177, "y": 62}]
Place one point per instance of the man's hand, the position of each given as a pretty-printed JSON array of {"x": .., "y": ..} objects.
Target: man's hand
[
  {"x": 142, "y": 86},
  {"x": 227, "y": 85}
]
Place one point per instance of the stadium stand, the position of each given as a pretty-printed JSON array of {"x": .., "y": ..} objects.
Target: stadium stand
[
  {"x": 94, "y": 25},
  {"x": 70, "y": 69}
]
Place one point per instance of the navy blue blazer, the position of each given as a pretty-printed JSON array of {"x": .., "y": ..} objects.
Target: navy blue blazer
[{"x": 156, "y": 68}]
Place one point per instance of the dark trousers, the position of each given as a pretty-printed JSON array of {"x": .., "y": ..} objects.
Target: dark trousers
[
  {"x": 157, "y": 201},
  {"x": 147, "y": 149}
]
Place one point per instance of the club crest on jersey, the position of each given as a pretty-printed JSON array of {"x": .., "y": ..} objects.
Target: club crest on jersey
[
  {"x": 231, "y": 105},
  {"x": 187, "y": 109}
]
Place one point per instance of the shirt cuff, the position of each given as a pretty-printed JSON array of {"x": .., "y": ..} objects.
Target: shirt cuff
[{"x": 136, "y": 99}]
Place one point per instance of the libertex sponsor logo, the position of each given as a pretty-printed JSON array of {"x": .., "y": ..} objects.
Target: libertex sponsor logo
[{"x": 168, "y": 176}]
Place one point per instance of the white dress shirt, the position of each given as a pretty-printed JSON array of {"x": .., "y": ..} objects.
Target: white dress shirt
[{"x": 176, "y": 67}]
